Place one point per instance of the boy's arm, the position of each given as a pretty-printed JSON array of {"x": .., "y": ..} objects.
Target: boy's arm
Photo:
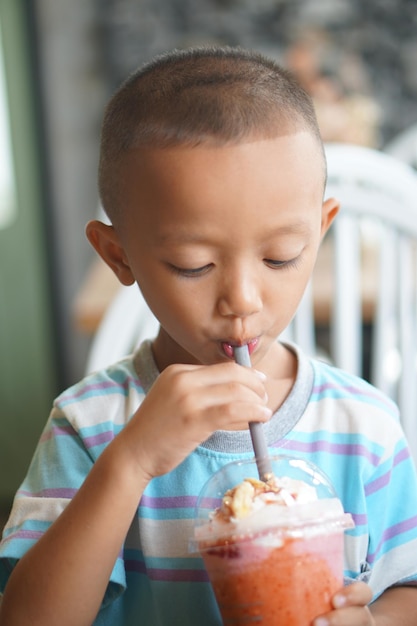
[
  {"x": 62, "y": 579},
  {"x": 397, "y": 606}
]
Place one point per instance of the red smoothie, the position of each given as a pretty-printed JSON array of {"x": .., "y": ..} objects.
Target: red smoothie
[{"x": 288, "y": 585}]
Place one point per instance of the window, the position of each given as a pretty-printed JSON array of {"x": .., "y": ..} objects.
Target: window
[{"x": 8, "y": 208}]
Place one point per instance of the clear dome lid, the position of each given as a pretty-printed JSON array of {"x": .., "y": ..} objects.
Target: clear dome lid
[{"x": 306, "y": 499}]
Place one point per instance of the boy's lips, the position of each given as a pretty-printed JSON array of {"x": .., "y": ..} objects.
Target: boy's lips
[{"x": 228, "y": 346}]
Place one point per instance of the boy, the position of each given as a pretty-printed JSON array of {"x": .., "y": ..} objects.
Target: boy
[{"x": 212, "y": 172}]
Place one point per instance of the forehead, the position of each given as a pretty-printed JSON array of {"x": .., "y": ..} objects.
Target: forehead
[{"x": 265, "y": 179}]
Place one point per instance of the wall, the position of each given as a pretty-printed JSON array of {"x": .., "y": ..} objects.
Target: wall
[
  {"x": 73, "y": 99},
  {"x": 87, "y": 47},
  {"x": 27, "y": 348}
]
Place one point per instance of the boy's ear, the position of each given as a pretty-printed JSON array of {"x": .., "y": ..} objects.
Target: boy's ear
[
  {"x": 329, "y": 211},
  {"x": 105, "y": 241}
]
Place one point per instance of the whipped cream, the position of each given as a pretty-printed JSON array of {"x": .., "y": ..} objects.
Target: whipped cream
[
  {"x": 255, "y": 507},
  {"x": 252, "y": 494}
]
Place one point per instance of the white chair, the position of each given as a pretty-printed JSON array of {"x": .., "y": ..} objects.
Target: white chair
[
  {"x": 377, "y": 224},
  {"x": 126, "y": 323},
  {"x": 378, "y": 220},
  {"x": 404, "y": 146}
]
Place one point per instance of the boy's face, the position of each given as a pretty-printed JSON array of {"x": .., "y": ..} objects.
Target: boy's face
[{"x": 222, "y": 242}]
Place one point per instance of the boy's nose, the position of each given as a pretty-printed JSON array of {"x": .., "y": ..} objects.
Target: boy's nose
[{"x": 240, "y": 297}]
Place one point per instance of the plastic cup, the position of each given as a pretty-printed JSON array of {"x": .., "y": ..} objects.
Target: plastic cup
[{"x": 281, "y": 565}]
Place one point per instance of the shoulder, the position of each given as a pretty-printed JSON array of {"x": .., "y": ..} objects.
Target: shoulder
[
  {"x": 338, "y": 388},
  {"x": 348, "y": 408},
  {"x": 332, "y": 383},
  {"x": 117, "y": 389}
]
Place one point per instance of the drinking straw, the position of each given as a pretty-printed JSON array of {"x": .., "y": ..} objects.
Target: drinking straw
[{"x": 241, "y": 354}]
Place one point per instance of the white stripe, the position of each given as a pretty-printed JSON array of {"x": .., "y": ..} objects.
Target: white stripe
[
  {"x": 367, "y": 421},
  {"x": 96, "y": 410},
  {"x": 397, "y": 564},
  {"x": 161, "y": 538},
  {"x": 355, "y": 551},
  {"x": 26, "y": 508}
]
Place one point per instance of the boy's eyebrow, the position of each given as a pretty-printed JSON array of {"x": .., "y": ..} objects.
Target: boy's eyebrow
[
  {"x": 296, "y": 228},
  {"x": 301, "y": 227}
]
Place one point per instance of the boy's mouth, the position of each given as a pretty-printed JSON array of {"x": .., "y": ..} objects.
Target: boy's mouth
[{"x": 228, "y": 346}]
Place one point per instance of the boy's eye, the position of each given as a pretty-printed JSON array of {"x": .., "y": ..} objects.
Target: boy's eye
[
  {"x": 274, "y": 264},
  {"x": 190, "y": 272}
]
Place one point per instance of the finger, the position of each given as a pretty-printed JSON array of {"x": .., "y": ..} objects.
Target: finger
[
  {"x": 356, "y": 594},
  {"x": 360, "y": 616},
  {"x": 224, "y": 406},
  {"x": 237, "y": 415},
  {"x": 350, "y": 604},
  {"x": 225, "y": 373},
  {"x": 236, "y": 391}
]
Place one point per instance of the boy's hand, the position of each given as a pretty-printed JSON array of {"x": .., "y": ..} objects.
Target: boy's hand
[
  {"x": 350, "y": 608},
  {"x": 186, "y": 404}
]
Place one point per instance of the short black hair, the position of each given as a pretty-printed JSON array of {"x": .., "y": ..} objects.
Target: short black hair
[{"x": 205, "y": 94}]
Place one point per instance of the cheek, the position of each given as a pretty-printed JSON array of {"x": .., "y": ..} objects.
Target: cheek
[
  {"x": 173, "y": 303},
  {"x": 286, "y": 293}
]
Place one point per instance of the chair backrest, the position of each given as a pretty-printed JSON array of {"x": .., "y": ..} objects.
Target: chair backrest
[
  {"x": 370, "y": 259},
  {"x": 404, "y": 146},
  {"x": 367, "y": 267},
  {"x": 126, "y": 323}
]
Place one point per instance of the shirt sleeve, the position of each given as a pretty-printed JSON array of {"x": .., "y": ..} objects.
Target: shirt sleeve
[
  {"x": 59, "y": 466},
  {"x": 391, "y": 495}
]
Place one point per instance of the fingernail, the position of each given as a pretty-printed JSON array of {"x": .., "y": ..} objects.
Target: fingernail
[
  {"x": 260, "y": 374},
  {"x": 321, "y": 621},
  {"x": 267, "y": 412},
  {"x": 339, "y": 601}
]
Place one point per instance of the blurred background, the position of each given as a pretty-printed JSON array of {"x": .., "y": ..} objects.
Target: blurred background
[{"x": 60, "y": 61}]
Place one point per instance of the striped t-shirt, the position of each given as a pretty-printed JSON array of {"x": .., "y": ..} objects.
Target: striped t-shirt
[{"x": 342, "y": 424}]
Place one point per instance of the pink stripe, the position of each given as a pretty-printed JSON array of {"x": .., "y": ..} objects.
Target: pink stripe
[
  {"x": 348, "y": 449},
  {"x": 176, "y": 502},
  {"x": 85, "y": 390},
  {"x": 393, "y": 531},
  {"x": 319, "y": 389},
  {"x": 99, "y": 439},
  {"x": 59, "y": 492},
  {"x": 382, "y": 481},
  {"x": 377, "y": 484},
  {"x": 167, "y": 575},
  {"x": 402, "y": 455},
  {"x": 24, "y": 534},
  {"x": 58, "y": 431},
  {"x": 90, "y": 442},
  {"x": 360, "y": 519}
]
